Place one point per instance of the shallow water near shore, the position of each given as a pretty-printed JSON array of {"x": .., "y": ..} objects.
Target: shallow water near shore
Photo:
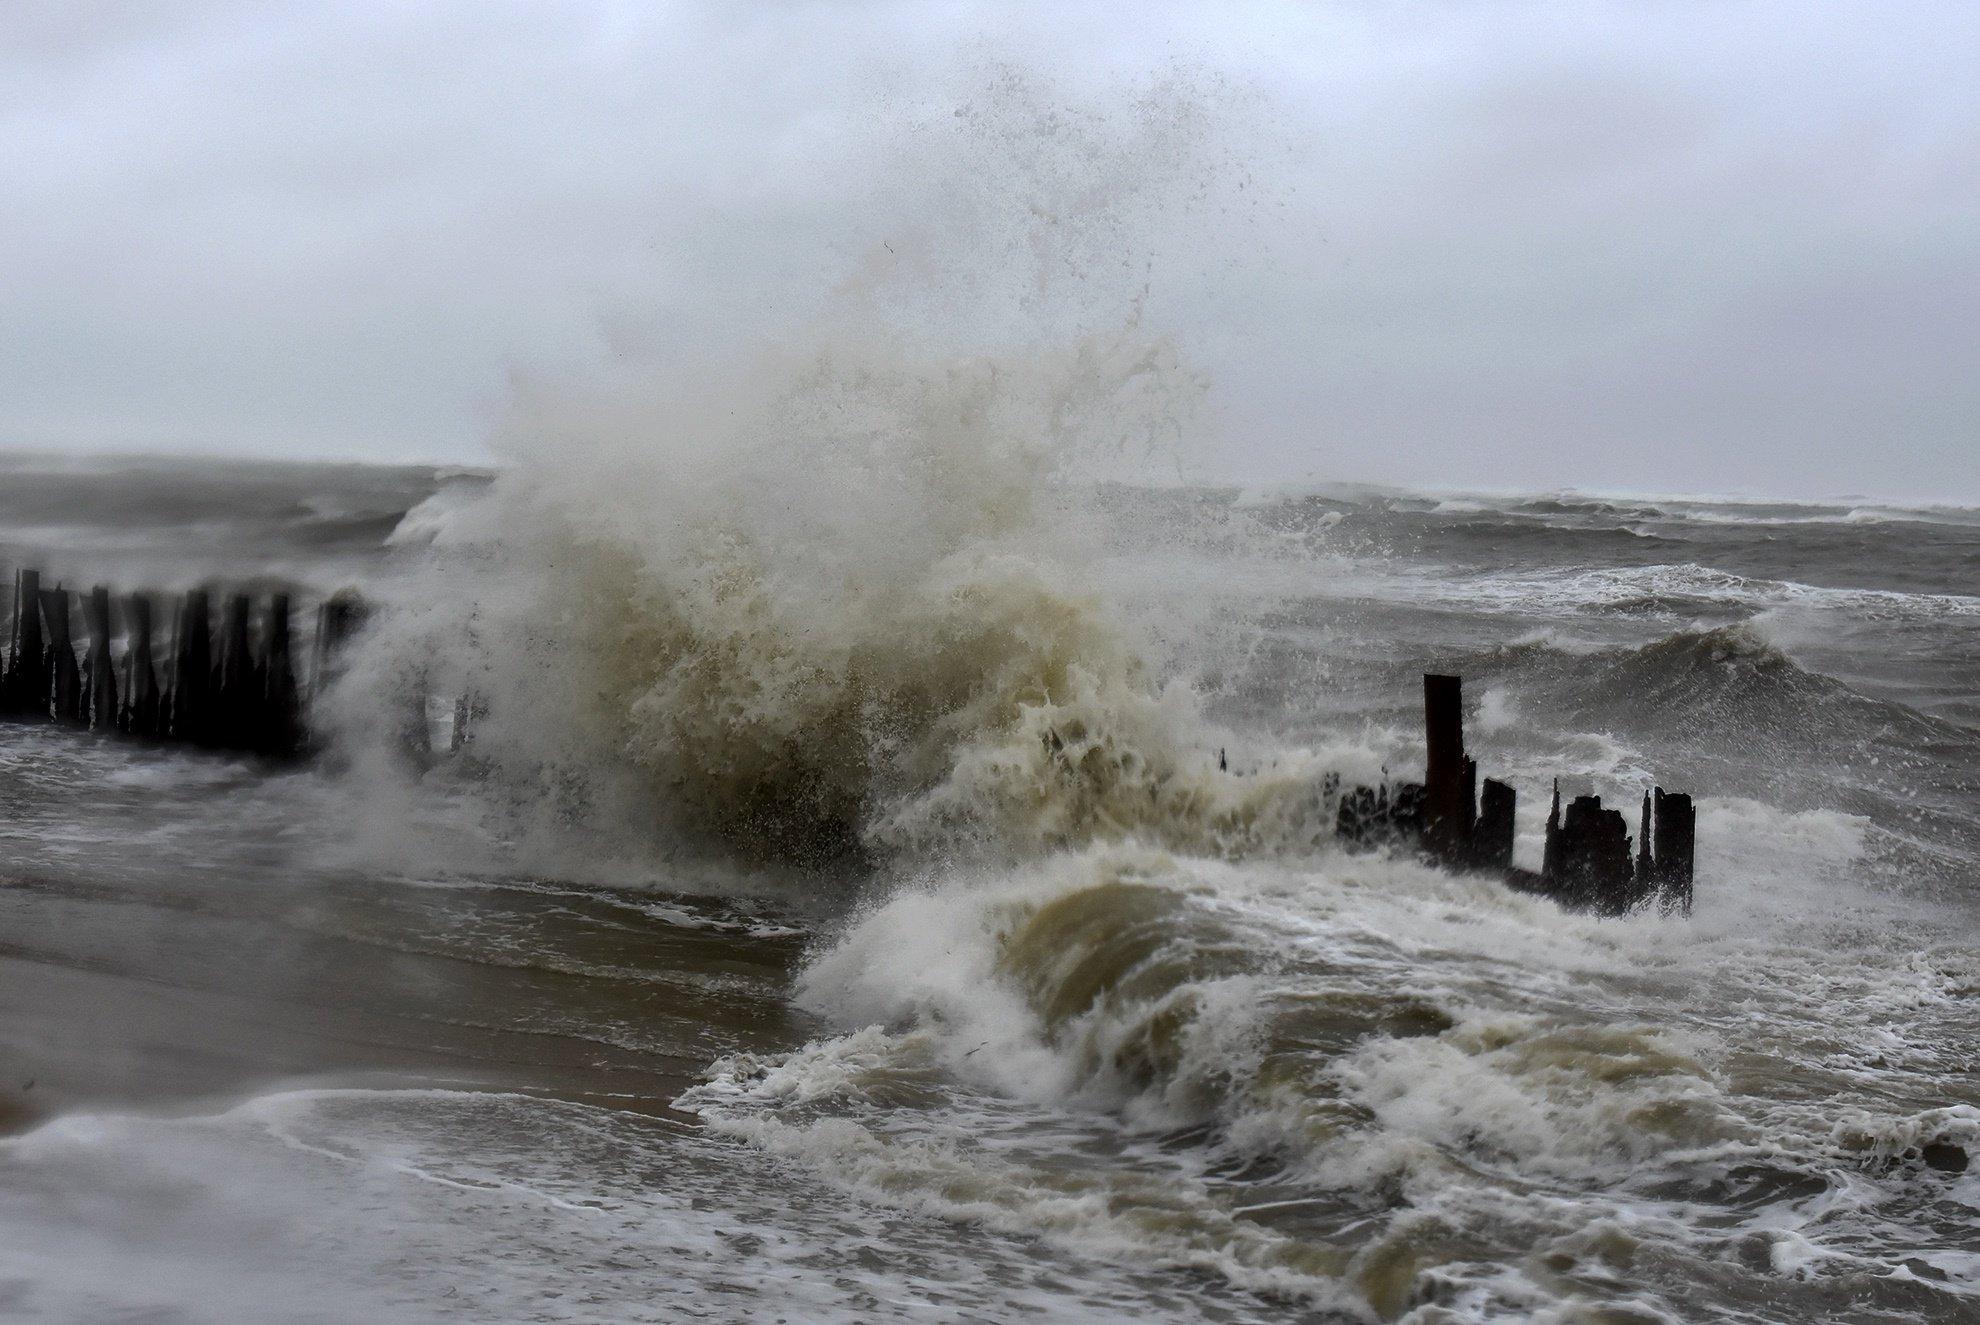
[{"x": 1086, "y": 1027}]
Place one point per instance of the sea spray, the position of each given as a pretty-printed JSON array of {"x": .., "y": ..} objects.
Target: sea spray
[{"x": 831, "y": 589}]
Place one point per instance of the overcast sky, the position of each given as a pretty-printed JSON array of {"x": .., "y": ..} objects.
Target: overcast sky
[{"x": 1676, "y": 247}]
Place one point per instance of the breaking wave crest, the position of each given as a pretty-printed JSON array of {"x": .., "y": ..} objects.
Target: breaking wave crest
[
  {"x": 1363, "y": 1083},
  {"x": 815, "y": 638},
  {"x": 1720, "y": 686}
]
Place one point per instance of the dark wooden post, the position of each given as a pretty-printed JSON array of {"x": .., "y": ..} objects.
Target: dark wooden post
[
  {"x": 30, "y": 675},
  {"x": 1550, "y": 860},
  {"x": 192, "y": 672},
  {"x": 1594, "y": 863},
  {"x": 1448, "y": 804},
  {"x": 1645, "y": 881},
  {"x": 1676, "y": 823},
  {"x": 282, "y": 722},
  {"x": 1492, "y": 837},
  {"x": 13, "y": 651},
  {"x": 102, "y": 672},
  {"x": 65, "y": 678},
  {"x": 1356, "y": 818},
  {"x": 141, "y": 674},
  {"x": 237, "y": 696}
]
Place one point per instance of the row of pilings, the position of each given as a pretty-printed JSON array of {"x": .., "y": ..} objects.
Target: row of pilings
[
  {"x": 1587, "y": 863},
  {"x": 236, "y": 689}
]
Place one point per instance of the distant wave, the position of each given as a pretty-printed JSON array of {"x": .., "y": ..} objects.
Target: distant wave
[
  {"x": 1671, "y": 588},
  {"x": 1578, "y": 508}
]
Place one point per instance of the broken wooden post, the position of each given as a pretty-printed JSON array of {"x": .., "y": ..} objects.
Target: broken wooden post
[
  {"x": 1492, "y": 836},
  {"x": 141, "y": 698},
  {"x": 65, "y": 678},
  {"x": 1550, "y": 858},
  {"x": 1676, "y": 826},
  {"x": 281, "y": 732},
  {"x": 102, "y": 673},
  {"x": 192, "y": 672},
  {"x": 1586, "y": 864},
  {"x": 1593, "y": 863},
  {"x": 1645, "y": 866},
  {"x": 1448, "y": 779}
]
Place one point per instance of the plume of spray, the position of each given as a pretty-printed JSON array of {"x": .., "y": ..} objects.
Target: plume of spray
[{"x": 828, "y": 586}]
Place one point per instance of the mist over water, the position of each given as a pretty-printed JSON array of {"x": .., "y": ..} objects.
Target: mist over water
[{"x": 893, "y": 878}]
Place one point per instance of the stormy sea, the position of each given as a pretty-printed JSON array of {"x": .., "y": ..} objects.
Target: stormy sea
[{"x": 902, "y": 886}]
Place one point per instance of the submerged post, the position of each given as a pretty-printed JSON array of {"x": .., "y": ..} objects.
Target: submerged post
[{"x": 338, "y": 620}]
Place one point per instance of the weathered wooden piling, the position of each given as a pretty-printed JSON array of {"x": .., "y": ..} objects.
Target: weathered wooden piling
[
  {"x": 192, "y": 671},
  {"x": 1550, "y": 857},
  {"x": 243, "y": 696},
  {"x": 1593, "y": 862},
  {"x": 236, "y": 695},
  {"x": 281, "y": 706},
  {"x": 65, "y": 678},
  {"x": 102, "y": 669},
  {"x": 27, "y": 678},
  {"x": 1645, "y": 865},
  {"x": 1586, "y": 860},
  {"x": 141, "y": 696},
  {"x": 1492, "y": 835},
  {"x": 1448, "y": 802},
  {"x": 1676, "y": 826}
]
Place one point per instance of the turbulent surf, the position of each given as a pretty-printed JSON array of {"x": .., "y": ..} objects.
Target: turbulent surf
[{"x": 892, "y": 874}]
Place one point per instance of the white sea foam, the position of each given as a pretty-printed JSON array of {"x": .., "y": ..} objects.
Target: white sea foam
[
  {"x": 373, "y": 1205},
  {"x": 1368, "y": 1021}
]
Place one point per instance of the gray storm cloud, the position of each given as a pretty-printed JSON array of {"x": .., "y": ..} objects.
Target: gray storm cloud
[{"x": 1655, "y": 247}]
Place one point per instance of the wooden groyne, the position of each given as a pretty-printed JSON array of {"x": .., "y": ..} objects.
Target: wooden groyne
[
  {"x": 1587, "y": 863},
  {"x": 241, "y": 692}
]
